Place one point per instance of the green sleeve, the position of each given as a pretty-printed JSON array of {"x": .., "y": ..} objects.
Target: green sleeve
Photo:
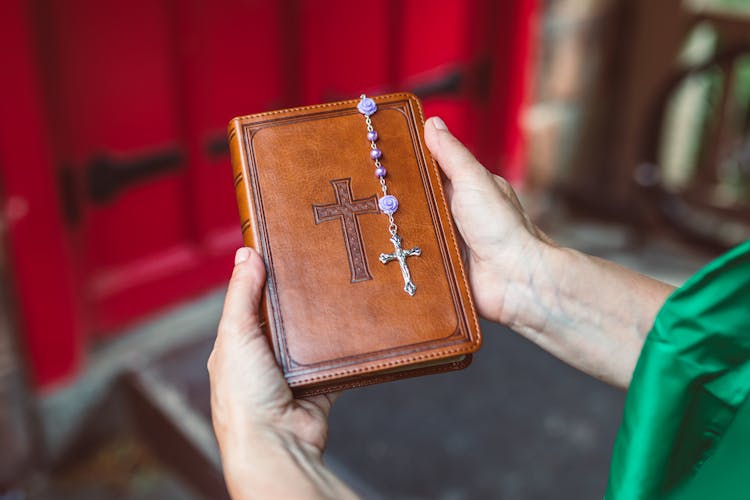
[{"x": 686, "y": 424}]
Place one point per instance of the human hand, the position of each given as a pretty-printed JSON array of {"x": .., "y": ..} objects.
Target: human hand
[
  {"x": 502, "y": 246},
  {"x": 588, "y": 312},
  {"x": 271, "y": 443}
]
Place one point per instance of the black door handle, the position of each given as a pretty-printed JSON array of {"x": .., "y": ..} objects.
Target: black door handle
[
  {"x": 217, "y": 146},
  {"x": 106, "y": 177},
  {"x": 449, "y": 83}
]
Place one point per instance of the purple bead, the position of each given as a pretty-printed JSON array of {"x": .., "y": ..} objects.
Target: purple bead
[
  {"x": 388, "y": 204},
  {"x": 380, "y": 172},
  {"x": 372, "y": 136},
  {"x": 375, "y": 154}
]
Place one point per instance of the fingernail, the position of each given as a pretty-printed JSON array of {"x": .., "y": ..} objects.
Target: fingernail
[
  {"x": 241, "y": 255},
  {"x": 439, "y": 124}
]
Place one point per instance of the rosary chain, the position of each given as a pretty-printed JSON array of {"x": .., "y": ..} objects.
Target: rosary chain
[
  {"x": 387, "y": 204},
  {"x": 392, "y": 227}
]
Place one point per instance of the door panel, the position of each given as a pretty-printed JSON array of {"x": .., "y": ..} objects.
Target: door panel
[
  {"x": 36, "y": 258},
  {"x": 114, "y": 97},
  {"x": 118, "y": 100},
  {"x": 344, "y": 49},
  {"x": 438, "y": 56},
  {"x": 230, "y": 60}
]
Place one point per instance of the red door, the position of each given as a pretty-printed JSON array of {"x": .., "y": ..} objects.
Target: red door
[{"x": 132, "y": 100}]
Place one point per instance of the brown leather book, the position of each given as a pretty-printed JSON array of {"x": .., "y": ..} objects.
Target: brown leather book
[{"x": 345, "y": 303}]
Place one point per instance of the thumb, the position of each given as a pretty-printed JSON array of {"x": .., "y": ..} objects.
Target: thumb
[
  {"x": 243, "y": 294},
  {"x": 457, "y": 162}
]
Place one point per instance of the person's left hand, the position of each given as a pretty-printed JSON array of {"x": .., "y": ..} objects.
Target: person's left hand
[{"x": 256, "y": 418}]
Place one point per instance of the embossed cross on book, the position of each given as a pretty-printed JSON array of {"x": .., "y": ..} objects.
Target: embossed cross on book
[{"x": 346, "y": 209}]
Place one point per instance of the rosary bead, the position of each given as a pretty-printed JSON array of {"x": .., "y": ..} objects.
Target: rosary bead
[
  {"x": 380, "y": 172},
  {"x": 367, "y": 106},
  {"x": 372, "y": 136},
  {"x": 375, "y": 153},
  {"x": 388, "y": 204}
]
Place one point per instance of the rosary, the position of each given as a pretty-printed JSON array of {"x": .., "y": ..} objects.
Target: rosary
[{"x": 387, "y": 203}]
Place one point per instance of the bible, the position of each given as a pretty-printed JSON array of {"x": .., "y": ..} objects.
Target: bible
[{"x": 346, "y": 207}]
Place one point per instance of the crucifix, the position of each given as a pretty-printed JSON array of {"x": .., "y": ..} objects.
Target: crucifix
[
  {"x": 346, "y": 209},
  {"x": 401, "y": 255}
]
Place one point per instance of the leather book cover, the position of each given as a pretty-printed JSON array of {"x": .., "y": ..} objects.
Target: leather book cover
[{"x": 339, "y": 311}]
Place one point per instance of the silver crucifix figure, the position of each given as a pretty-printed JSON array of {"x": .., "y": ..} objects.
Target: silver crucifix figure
[{"x": 400, "y": 255}]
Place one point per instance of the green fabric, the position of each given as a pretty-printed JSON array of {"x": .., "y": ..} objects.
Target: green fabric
[{"x": 685, "y": 432}]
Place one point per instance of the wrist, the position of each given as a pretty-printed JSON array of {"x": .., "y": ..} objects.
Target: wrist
[
  {"x": 544, "y": 305},
  {"x": 588, "y": 312},
  {"x": 270, "y": 464}
]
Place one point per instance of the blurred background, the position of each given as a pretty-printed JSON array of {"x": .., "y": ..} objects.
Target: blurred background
[{"x": 624, "y": 125}]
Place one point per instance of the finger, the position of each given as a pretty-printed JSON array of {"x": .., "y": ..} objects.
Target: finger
[
  {"x": 322, "y": 403},
  {"x": 333, "y": 396},
  {"x": 448, "y": 190},
  {"x": 509, "y": 193},
  {"x": 457, "y": 162},
  {"x": 545, "y": 237},
  {"x": 243, "y": 294}
]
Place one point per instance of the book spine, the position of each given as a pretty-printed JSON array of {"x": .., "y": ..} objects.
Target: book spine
[
  {"x": 248, "y": 215},
  {"x": 242, "y": 186}
]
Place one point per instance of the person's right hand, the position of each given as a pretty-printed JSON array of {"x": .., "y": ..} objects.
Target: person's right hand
[
  {"x": 588, "y": 312},
  {"x": 502, "y": 245}
]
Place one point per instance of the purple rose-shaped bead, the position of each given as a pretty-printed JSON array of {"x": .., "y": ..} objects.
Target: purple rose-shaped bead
[
  {"x": 367, "y": 106},
  {"x": 388, "y": 204}
]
